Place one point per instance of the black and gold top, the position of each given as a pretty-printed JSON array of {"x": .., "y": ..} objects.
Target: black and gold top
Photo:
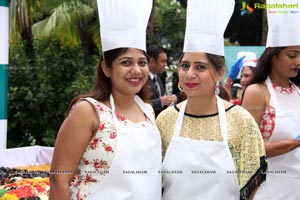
[{"x": 244, "y": 140}]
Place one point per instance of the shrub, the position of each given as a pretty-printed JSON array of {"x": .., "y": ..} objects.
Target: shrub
[{"x": 41, "y": 88}]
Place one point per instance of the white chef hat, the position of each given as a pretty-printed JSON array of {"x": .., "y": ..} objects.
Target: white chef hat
[
  {"x": 123, "y": 23},
  {"x": 284, "y": 24},
  {"x": 249, "y": 60},
  {"x": 247, "y": 63},
  {"x": 206, "y": 22},
  {"x": 249, "y": 55},
  {"x": 250, "y": 63}
]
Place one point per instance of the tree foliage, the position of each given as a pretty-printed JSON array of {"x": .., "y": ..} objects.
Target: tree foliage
[
  {"x": 40, "y": 94},
  {"x": 169, "y": 27}
]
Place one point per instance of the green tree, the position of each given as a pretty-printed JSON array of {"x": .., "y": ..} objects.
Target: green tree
[
  {"x": 38, "y": 102},
  {"x": 45, "y": 72},
  {"x": 169, "y": 27},
  {"x": 75, "y": 23}
]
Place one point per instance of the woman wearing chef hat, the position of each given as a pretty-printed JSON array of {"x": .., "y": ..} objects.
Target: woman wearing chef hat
[
  {"x": 246, "y": 73},
  {"x": 244, "y": 76},
  {"x": 109, "y": 139},
  {"x": 212, "y": 148},
  {"x": 273, "y": 100}
]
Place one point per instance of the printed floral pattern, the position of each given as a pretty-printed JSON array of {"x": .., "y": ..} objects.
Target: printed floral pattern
[
  {"x": 120, "y": 117},
  {"x": 100, "y": 151},
  {"x": 282, "y": 90},
  {"x": 267, "y": 123}
]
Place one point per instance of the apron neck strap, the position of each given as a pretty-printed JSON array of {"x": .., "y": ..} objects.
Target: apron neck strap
[
  {"x": 222, "y": 119},
  {"x": 297, "y": 89},
  {"x": 273, "y": 98},
  {"x": 271, "y": 90},
  {"x": 179, "y": 120},
  {"x": 140, "y": 103}
]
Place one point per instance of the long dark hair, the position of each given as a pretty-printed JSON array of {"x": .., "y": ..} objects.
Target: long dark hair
[
  {"x": 102, "y": 87},
  {"x": 264, "y": 67}
]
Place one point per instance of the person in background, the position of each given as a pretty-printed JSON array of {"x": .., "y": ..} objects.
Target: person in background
[
  {"x": 273, "y": 100},
  {"x": 233, "y": 71},
  {"x": 236, "y": 90},
  {"x": 109, "y": 139},
  {"x": 246, "y": 72},
  {"x": 212, "y": 149},
  {"x": 236, "y": 67},
  {"x": 245, "y": 75},
  {"x": 157, "y": 63}
]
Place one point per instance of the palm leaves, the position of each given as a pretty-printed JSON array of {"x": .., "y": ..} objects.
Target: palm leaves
[
  {"x": 64, "y": 22},
  {"x": 63, "y": 18}
]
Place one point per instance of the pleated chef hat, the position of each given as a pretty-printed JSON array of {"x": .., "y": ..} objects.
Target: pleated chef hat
[
  {"x": 284, "y": 24},
  {"x": 123, "y": 23},
  {"x": 206, "y": 22}
]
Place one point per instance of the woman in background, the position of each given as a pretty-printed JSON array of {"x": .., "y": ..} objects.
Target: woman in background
[{"x": 245, "y": 75}]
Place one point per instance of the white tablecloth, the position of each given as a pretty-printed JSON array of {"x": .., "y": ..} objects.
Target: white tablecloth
[{"x": 24, "y": 156}]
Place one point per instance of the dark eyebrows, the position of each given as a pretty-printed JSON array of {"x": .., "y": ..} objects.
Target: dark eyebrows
[
  {"x": 196, "y": 63},
  {"x": 130, "y": 58},
  {"x": 201, "y": 63}
]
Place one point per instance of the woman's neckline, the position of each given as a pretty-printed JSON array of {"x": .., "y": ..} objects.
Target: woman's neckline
[{"x": 284, "y": 90}]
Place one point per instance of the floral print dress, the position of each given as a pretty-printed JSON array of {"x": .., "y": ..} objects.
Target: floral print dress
[
  {"x": 267, "y": 123},
  {"x": 99, "y": 154}
]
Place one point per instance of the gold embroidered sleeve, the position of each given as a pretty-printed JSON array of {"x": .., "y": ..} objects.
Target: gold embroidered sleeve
[
  {"x": 166, "y": 122},
  {"x": 244, "y": 138},
  {"x": 247, "y": 148}
]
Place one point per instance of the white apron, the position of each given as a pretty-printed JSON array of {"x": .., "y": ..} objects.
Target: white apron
[
  {"x": 283, "y": 174},
  {"x": 133, "y": 174},
  {"x": 197, "y": 169}
]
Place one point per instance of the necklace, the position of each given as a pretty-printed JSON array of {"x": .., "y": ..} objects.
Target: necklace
[{"x": 283, "y": 90}]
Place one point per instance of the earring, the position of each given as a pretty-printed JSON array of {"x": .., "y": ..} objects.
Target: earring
[
  {"x": 217, "y": 88},
  {"x": 179, "y": 87},
  {"x": 107, "y": 74}
]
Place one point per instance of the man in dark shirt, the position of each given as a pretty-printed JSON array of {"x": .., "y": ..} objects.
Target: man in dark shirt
[{"x": 157, "y": 63}]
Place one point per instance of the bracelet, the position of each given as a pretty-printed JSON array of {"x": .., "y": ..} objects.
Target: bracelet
[{"x": 298, "y": 138}]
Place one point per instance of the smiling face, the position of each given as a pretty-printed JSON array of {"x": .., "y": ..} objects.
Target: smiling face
[
  {"x": 197, "y": 75},
  {"x": 129, "y": 72},
  {"x": 287, "y": 63}
]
